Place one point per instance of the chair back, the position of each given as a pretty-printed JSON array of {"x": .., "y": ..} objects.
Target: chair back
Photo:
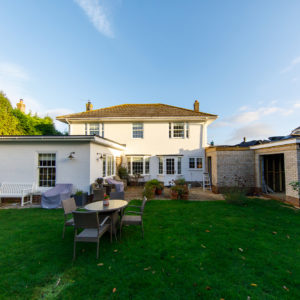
[
  {"x": 69, "y": 205},
  {"x": 98, "y": 195},
  {"x": 85, "y": 219},
  {"x": 143, "y": 204},
  {"x": 117, "y": 195}
]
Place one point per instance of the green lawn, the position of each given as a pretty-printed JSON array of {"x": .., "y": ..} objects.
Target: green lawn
[{"x": 191, "y": 250}]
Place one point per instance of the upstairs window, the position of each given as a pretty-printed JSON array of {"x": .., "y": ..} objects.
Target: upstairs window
[
  {"x": 138, "y": 130},
  {"x": 195, "y": 162},
  {"x": 47, "y": 169},
  {"x": 94, "y": 129},
  {"x": 179, "y": 130}
]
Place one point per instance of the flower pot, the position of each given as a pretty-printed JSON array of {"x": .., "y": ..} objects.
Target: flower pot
[
  {"x": 81, "y": 200},
  {"x": 106, "y": 202},
  {"x": 174, "y": 195},
  {"x": 158, "y": 191}
]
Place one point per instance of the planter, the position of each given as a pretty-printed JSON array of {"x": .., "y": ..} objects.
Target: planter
[
  {"x": 106, "y": 202},
  {"x": 174, "y": 195},
  {"x": 81, "y": 200},
  {"x": 158, "y": 191}
]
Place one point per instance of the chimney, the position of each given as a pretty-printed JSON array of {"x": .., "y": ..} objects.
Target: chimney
[
  {"x": 196, "y": 106},
  {"x": 89, "y": 106},
  {"x": 21, "y": 106},
  {"x": 244, "y": 139}
]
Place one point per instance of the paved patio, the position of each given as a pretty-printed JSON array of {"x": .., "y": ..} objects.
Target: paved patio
[{"x": 196, "y": 194}]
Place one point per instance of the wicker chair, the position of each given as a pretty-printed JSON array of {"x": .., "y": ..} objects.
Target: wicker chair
[
  {"x": 136, "y": 219},
  {"x": 92, "y": 230},
  {"x": 98, "y": 195},
  {"x": 117, "y": 195},
  {"x": 69, "y": 205}
]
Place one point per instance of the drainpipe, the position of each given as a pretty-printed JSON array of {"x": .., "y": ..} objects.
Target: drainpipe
[{"x": 69, "y": 126}]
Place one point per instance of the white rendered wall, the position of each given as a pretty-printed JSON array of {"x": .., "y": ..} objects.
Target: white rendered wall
[
  {"x": 156, "y": 141},
  {"x": 19, "y": 162}
]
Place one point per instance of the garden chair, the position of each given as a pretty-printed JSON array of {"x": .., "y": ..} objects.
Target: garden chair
[
  {"x": 92, "y": 229},
  {"x": 69, "y": 205},
  {"x": 98, "y": 195},
  {"x": 136, "y": 219},
  {"x": 117, "y": 195}
]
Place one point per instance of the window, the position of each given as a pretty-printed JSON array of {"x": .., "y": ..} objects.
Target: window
[
  {"x": 47, "y": 169},
  {"x": 170, "y": 165},
  {"x": 94, "y": 129},
  {"x": 138, "y": 165},
  {"x": 179, "y": 165},
  {"x": 179, "y": 130},
  {"x": 147, "y": 165},
  {"x": 138, "y": 130},
  {"x": 195, "y": 163},
  {"x": 108, "y": 165},
  {"x": 160, "y": 165}
]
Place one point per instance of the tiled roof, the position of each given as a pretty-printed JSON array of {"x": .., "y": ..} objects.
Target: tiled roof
[{"x": 138, "y": 110}]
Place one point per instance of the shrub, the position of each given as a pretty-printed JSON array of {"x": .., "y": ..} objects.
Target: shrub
[
  {"x": 79, "y": 193},
  {"x": 296, "y": 186},
  {"x": 123, "y": 173},
  {"x": 149, "y": 192},
  {"x": 155, "y": 183},
  {"x": 180, "y": 181},
  {"x": 236, "y": 197}
]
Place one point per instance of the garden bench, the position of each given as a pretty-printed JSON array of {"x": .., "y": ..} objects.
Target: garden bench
[{"x": 17, "y": 190}]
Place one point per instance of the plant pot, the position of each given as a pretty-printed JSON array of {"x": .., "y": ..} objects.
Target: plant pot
[
  {"x": 106, "y": 202},
  {"x": 174, "y": 195},
  {"x": 158, "y": 191},
  {"x": 81, "y": 200}
]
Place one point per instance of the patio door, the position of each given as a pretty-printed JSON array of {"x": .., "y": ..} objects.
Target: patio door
[{"x": 170, "y": 166}]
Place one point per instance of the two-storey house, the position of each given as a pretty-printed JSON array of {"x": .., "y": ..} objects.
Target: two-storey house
[{"x": 161, "y": 141}]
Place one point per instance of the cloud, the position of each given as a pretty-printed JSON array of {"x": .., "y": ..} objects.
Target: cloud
[
  {"x": 292, "y": 64},
  {"x": 14, "y": 82},
  {"x": 97, "y": 16},
  {"x": 11, "y": 70},
  {"x": 254, "y": 131}
]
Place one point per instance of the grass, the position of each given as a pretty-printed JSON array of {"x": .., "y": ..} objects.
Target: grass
[{"x": 191, "y": 250}]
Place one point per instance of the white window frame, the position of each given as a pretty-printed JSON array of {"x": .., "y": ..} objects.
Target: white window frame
[
  {"x": 164, "y": 164},
  {"x": 46, "y": 167},
  {"x": 130, "y": 161},
  {"x": 87, "y": 130},
  {"x": 137, "y": 130},
  {"x": 186, "y": 130},
  {"x": 108, "y": 163},
  {"x": 195, "y": 162}
]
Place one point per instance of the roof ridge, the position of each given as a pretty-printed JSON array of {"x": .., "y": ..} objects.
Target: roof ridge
[{"x": 183, "y": 108}]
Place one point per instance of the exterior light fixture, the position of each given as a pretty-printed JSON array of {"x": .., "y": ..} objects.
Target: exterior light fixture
[
  {"x": 99, "y": 156},
  {"x": 71, "y": 156}
]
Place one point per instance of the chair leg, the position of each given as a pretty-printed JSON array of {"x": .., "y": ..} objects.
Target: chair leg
[
  {"x": 142, "y": 229},
  {"x": 98, "y": 249},
  {"x": 111, "y": 230},
  {"x": 120, "y": 229},
  {"x": 74, "y": 251}
]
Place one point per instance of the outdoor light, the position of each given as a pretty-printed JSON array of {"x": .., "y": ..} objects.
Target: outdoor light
[
  {"x": 99, "y": 156},
  {"x": 71, "y": 156}
]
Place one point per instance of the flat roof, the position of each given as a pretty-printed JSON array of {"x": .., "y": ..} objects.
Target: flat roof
[{"x": 63, "y": 138}]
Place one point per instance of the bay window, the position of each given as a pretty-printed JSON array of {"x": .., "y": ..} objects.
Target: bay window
[{"x": 138, "y": 165}]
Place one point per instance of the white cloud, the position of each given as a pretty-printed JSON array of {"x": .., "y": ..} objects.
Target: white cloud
[
  {"x": 292, "y": 64},
  {"x": 97, "y": 16},
  {"x": 13, "y": 82},
  {"x": 11, "y": 70}
]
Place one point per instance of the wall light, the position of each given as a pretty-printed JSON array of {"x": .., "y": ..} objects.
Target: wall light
[
  {"x": 71, "y": 156},
  {"x": 99, "y": 156}
]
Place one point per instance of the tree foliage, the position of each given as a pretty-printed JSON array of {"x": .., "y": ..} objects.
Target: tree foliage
[{"x": 14, "y": 122}]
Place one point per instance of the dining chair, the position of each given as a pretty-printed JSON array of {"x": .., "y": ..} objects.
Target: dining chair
[
  {"x": 69, "y": 205},
  {"x": 117, "y": 195},
  {"x": 98, "y": 195},
  {"x": 135, "y": 217},
  {"x": 92, "y": 229}
]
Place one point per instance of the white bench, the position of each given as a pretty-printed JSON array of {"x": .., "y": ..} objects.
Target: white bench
[{"x": 17, "y": 190}]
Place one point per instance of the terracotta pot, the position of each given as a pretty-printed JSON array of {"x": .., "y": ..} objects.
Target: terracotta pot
[
  {"x": 174, "y": 195},
  {"x": 158, "y": 191}
]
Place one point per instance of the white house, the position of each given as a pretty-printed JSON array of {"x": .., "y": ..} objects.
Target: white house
[
  {"x": 162, "y": 141},
  {"x": 154, "y": 140}
]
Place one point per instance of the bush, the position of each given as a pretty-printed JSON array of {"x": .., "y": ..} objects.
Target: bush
[
  {"x": 123, "y": 173},
  {"x": 180, "y": 181},
  {"x": 155, "y": 183},
  {"x": 236, "y": 197},
  {"x": 149, "y": 192}
]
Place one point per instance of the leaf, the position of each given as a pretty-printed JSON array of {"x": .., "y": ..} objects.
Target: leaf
[
  {"x": 114, "y": 290},
  {"x": 116, "y": 250},
  {"x": 286, "y": 288},
  {"x": 208, "y": 288},
  {"x": 253, "y": 284},
  {"x": 288, "y": 237},
  {"x": 58, "y": 281},
  {"x": 207, "y": 230},
  {"x": 100, "y": 264},
  {"x": 241, "y": 249},
  {"x": 274, "y": 232},
  {"x": 203, "y": 246}
]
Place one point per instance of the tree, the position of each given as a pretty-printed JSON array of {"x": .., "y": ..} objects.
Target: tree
[{"x": 9, "y": 124}]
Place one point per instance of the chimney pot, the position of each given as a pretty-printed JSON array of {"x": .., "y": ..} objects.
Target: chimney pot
[
  {"x": 244, "y": 139},
  {"x": 89, "y": 106},
  {"x": 196, "y": 106},
  {"x": 21, "y": 106}
]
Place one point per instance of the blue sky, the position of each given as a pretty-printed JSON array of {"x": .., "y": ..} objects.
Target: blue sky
[{"x": 240, "y": 59}]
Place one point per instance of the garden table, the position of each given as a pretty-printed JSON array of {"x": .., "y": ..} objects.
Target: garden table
[{"x": 110, "y": 210}]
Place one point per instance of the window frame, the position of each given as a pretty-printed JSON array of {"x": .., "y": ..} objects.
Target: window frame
[
  {"x": 136, "y": 131},
  {"x": 146, "y": 161},
  {"x": 87, "y": 129},
  {"x": 47, "y": 167},
  {"x": 185, "y": 130},
  {"x": 195, "y": 162},
  {"x": 108, "y": 165}
]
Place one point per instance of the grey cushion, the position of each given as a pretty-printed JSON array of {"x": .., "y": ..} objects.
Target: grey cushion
[{"x": 131, "y": 219}]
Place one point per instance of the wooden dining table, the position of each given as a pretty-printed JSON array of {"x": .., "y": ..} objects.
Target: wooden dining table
[{"x": 111, "y": 210}]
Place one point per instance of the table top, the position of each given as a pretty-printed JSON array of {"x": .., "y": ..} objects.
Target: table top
[{"x": 113, "y": 205}]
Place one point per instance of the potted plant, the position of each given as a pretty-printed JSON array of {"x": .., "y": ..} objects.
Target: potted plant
[
  {"x": 158, "y": 186},
  {"x": 149, "y": 191},
  {"x": 99, "y": 181},
  {"x": 174, "y": 192},
  {"x": 180, "y": 190},
  {"x": 80, "y": 198},
  {"x": 106, "y": 200}
]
